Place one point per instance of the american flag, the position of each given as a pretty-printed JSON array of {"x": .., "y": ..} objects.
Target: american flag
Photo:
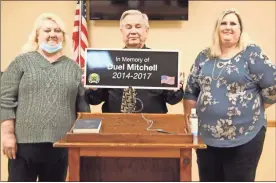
[
  {"x": 80, "y": 33},
  {"x": 167, "y": 80}
]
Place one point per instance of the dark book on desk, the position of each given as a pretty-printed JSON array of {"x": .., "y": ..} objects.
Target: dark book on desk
[{"x": 87, "y": 126}]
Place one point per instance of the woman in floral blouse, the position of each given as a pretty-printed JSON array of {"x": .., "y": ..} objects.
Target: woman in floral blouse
[{"x": 231, "y": 84}]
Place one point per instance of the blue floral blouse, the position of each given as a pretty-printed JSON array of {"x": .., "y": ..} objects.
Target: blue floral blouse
[{"x": 230, "y": 95}]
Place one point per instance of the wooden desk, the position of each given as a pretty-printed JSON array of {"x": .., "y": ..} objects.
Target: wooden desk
[{"x": 126, "y": 151}]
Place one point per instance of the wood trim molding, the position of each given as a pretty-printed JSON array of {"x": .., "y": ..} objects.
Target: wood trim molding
[{"x": 271, "y": 123}]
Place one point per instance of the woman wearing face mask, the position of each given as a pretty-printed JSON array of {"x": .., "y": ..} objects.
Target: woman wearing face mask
[
  {"x": 231, "y": 84},
  {"x": 41, "y": 93}
]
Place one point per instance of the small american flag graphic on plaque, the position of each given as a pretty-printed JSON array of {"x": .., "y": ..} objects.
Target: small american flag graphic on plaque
[{"x": 167, "y": 80}]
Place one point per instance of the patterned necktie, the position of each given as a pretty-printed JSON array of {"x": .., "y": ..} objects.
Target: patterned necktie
[{"x": 128, "y": 100}]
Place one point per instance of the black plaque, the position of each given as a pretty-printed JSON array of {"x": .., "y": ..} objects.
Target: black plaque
[{"x": 138, "y": 68}]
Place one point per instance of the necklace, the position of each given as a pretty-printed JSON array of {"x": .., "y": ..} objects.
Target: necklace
[{"x": 215, "y": 65}]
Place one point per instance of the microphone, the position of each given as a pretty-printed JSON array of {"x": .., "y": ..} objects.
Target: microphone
[{"x": 128, "y": 105}]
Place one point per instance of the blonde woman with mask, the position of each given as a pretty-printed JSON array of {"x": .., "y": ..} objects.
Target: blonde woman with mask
[
  {"x": 231, "y": 84},
  {"x": 41, "y": 93}
]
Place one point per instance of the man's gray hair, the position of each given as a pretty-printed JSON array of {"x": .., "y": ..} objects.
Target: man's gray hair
[{"x": 135, "y": 12}]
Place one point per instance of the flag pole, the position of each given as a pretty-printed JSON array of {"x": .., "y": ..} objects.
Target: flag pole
[{"x": 80, "y": 20}]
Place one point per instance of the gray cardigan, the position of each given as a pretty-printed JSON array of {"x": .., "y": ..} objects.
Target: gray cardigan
[{"x": 42, "y": 97}]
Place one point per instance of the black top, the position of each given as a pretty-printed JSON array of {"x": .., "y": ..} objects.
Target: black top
[{"x": 154, "y": 101}]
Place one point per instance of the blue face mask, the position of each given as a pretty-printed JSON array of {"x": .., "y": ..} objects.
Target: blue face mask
[{"x": 50, "y": 48}]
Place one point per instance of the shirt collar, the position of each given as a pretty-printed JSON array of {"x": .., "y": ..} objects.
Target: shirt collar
[{"x": 144, "y": 47}]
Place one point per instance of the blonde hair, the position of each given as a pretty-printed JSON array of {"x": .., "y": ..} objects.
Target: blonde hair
[
  {"x": 134, "y": 12},
  {"x": 244, "y": 41},
  {"x": 32, "y": 43}
]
